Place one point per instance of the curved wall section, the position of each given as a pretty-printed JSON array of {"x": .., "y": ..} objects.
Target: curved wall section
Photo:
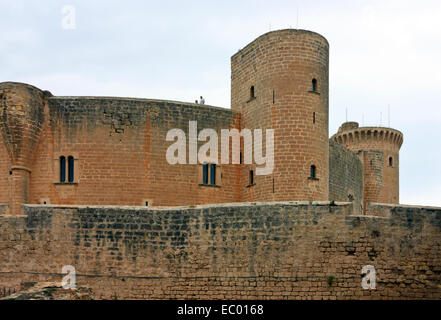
[
  {"x": 280, "y": 82},
  {"x": 378, "y": 149}
]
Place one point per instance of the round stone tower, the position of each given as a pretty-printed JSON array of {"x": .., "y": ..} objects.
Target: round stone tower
[
  {"x": 378, "y": 149},
  {"x": 21, "y": 119},
  {"x": 280, "y": 82}
]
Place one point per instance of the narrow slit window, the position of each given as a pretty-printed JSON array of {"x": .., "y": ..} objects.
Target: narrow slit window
[
  {"x": 251, "y": 177},
  {"x": 391, "y": 161},
  {"x": 252, "y": 95},
  {"x": 314, "y": 85},
  {"x": 313, "y": 117},
  {"x": 70, "y": 162},
  {"x": 313, "y": 172},
  {"x": 213, "y": 174},
  {"x": 205, "y": 173},
  {"x": 62, "y": 169}
]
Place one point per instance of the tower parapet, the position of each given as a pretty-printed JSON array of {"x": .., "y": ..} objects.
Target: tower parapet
[
  {"x": 378, "y": 149},
  {"x": 368, "y": 138}
]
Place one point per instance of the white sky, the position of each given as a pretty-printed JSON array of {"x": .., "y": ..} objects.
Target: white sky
[{"x": 381, "y": 53}]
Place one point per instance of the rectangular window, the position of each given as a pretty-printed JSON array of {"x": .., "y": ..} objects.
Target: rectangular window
[
  {"x": 62, "y": 169},
  {"x": 251, "y": 177},
  {"x": 213, "y": 174},
  {"x": 66, "y": 167},
  {"x": 314, "y": 85},
  {"x": 70, "y": 175},
  {"x": 210, "y": 174},
  {"x": 205, "y": 173},
  {"x": 252, "y": 95},
  {"x": 313, "y": 172}
]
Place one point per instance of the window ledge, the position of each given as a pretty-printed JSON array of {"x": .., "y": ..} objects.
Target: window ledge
[
  {"x": 312, "y": 178},
  {"x": 316, "y": 92},
  {"x": 209, "y": 185},
  {"x": 250, "y": 185},
  {"x": 65, "y": 183}
]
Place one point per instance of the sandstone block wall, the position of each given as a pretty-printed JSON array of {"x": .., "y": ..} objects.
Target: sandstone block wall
[
  {"x": 373, "y": 177},
  {"x": 119, "y": 146},
  {"x": 5, "y": 186},
  {"x": 345, "y": 176},
  {"x": 280, "y": 66},
  {"x": 235, "y": 251},
  {"x": 22, "y": 116}
]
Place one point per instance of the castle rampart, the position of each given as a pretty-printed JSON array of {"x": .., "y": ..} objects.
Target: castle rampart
[
  {"x": 119, "y": 149},
  {"x": 345, "y": 176},
  {"x": 284, "y": 250}
]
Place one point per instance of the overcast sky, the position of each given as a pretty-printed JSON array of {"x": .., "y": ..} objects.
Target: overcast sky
[{"x": 382, "y": 53}]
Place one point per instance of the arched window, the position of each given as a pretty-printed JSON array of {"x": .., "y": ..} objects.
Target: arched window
[
  {"x": 70, "y": 174},
  {"x": 314, "y": 85},
  {"x": 391, "y": 161},
  {"x": 62, "y": 169},
  {"x": 313, "y": 172}
]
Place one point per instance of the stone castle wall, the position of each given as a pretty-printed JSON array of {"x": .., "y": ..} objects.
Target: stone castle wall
[
  {"x": 345, "y": 176},
  {"x": 4, "y": 175},
  {"x": 119, "y": 146},
  {"x": 232, "y": 251},
  {"x": 280, "y": 81}
]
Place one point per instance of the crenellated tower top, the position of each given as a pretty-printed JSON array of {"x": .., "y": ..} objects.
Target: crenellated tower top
[
  {"x": 378, "y": 149},
  {"x": 368, "y": 138}
]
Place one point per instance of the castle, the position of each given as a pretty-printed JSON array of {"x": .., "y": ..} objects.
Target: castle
[
  {"x": 111, "y": 151},
  {"x": 84, "y": 181}
]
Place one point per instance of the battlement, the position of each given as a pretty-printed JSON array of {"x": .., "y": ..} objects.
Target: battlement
[{"x": 351, "y": 135}]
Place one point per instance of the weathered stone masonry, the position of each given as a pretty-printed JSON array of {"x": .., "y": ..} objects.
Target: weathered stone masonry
[
  {"x": 118, "y": 145},
  {"x": 345, "y": 174},
  {"x": 236, "y": 251},
  {"x": 116, "y": 218}
]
